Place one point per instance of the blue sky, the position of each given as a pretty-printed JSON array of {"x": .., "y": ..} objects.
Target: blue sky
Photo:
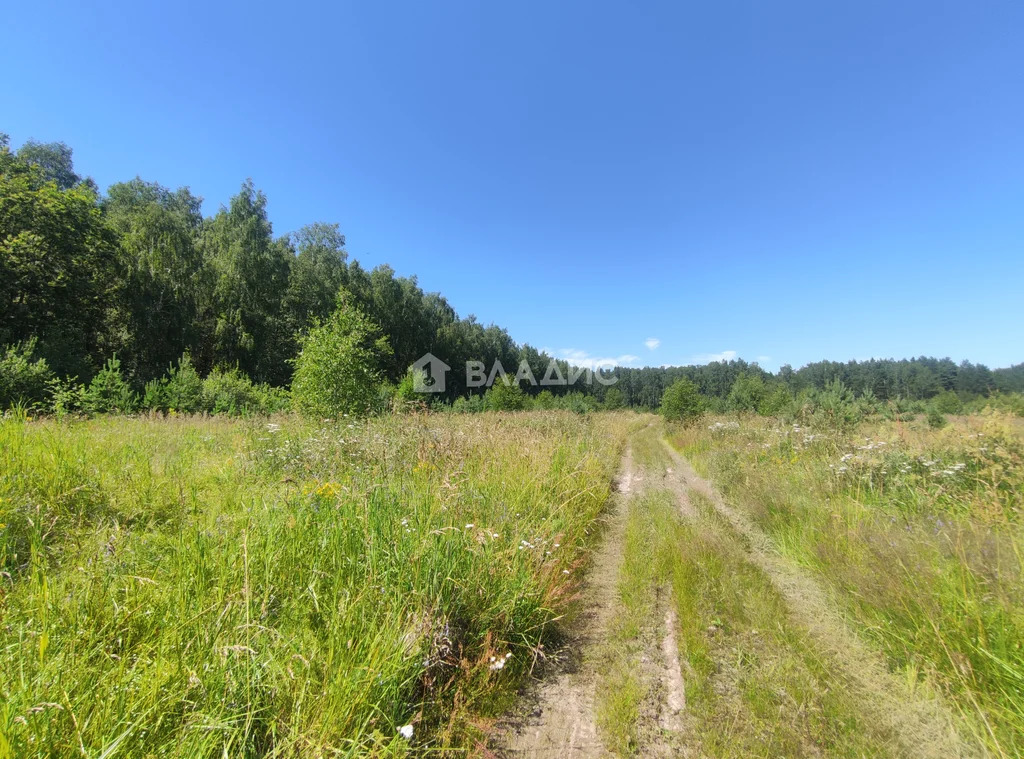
[{"x": 787, "y": 181}]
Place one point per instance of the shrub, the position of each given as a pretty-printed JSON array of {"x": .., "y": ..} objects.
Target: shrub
[
  {"x": 231, "y": 392},
  {"x": 337, "y": 370},
  {"x": 682, "y": 402},
  {"x": 22, "y": 380},
  {"x": 948, "y": 402},
  {"x": 469, "y": 405},
  {"x": 66, "y": 395},
  {"x": 109, "y": 392},
  {"x": 613, "y": 399},
  {"x": 544, "y": 400},
  {"x": 576, "y": 402},
  {"x": 936, "y": 419},
  {"x": 747, "y": 393},
  {"x": 775, "y": 401},
  {"x": 183, "y": 390},
  {"x": 834, "y": 407},
  {"x": 505, "y": 395},
  {"x": 180, "y": 390}
]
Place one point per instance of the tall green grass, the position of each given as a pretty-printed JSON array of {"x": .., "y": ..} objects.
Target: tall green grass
[
  {"x": 203, "y": 587},
  {"x": 916, "y": 530}
]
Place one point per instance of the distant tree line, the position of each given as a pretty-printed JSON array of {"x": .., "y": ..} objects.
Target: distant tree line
[{"x": 134, "y": 298}]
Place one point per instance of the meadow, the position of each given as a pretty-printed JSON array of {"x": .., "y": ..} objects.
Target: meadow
[
  {"x": 202, "y": 586},
  {"x": 915, "y": 532}
]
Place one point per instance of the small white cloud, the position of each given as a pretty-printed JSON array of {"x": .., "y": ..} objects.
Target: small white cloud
[
  {"x": 708, "y": 358},
  {"x": 652, "y": 343},
  {"x": 764, "y": 359},
  {"x": 578, "y": 357}
]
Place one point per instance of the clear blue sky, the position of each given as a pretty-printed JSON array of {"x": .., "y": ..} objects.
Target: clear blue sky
[{"x": 786, "y": 180}]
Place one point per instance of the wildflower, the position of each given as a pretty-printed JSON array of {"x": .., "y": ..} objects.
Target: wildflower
[
  {"x": 470, "y": 526},
  {"x": 495, "y": 535},
  {"x": 565, "y": 571},
  {"x": 499, "y": 662},
  {"x": 406, "y": 732}
]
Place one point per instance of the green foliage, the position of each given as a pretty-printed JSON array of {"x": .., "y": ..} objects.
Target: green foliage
[
  {"x": 747, "y": 393},
  {"x": 66, "y": 395},
  {"x": 317, "y": 273},
  {"x": 109, "y": 392},
  {"x": 58, "y": 268},
  {"x": 775, "y": 401},
  {"x": 1012, "y": 403},
  {"x": 180, "y": 390},
  {"x": 231, "y": 392},
  {"x": 936, "y": 419},
  {"x": 338, "y": 371},
  {"x": 472, "y": 404},
  {"x": 248, "y": 273},
  {"x": 948, "y": 402},
  {"x": 544, "y": 400},
  {"x": 406, "y": 390},
  {"x": 834, "y": 407},
  {"x": 613, "y": 399},
  {"x": 505, "y": 395},
  {"x": 53, "y": 160},
  {"x": 141, "y": 274},
  {"x": 158, "y": 231},
  {"x": 682, "y": 402},
  {"x": 22, "y": 380}
]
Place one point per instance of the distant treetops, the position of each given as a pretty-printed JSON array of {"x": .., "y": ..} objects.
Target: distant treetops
[{"x": 133, "y": 299}]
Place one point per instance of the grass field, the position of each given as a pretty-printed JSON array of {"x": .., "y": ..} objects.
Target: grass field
[
  {"x": 206, "y": 587},
  {"x": 200, "y": 587},
  {"x": 916, "y": 533}
]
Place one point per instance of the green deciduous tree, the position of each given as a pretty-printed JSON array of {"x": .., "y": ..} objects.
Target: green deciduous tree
[
  {"x": 248, "y": 278},
  {"x": 158, "y": 230},
  {"x": 505, "y": 395},
  {"x": 338, "y": 369},
  {"x": 747, "y": 393},
  {"x": 317, "y": 273},
  {"x": 682, "y": 402},
  {"x": 59, "y": 270}
]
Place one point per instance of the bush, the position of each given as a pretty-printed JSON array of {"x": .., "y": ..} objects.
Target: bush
[
  {"x": 505, "y": 395},
  {"x": 337, "y": 370},
  {"x": 576, "y": 402},
  {"x": 183, "y": 390},
  {"x": 470, "y": 405},
  {"x": 180, "y": 390},
  {"x": 544, "y": 401},
  {"x": 232, "y": 392},
  {"x": 835, "y": 407},
  {"x": 936, "y": 419},
  {"x": 775, "y": 401},
  {"x": 109, "y": 392},
  {"x": 682, "y": 402},
  {"x": 22, "y": 380},
  {"x": 66, "y": 395},
  {"x": 948, "y": 402},
  {"x": 747, "y": 393},
  {"x": 613, "y": 399}
]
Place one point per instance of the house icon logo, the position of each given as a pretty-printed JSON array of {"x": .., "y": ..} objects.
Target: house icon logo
[{"x": 429, "y": 374}]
